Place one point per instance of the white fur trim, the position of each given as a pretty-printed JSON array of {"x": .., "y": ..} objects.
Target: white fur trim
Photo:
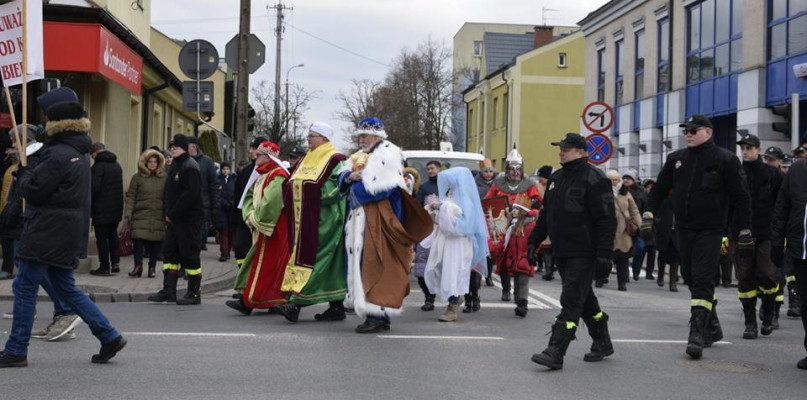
[
  {"x": 384, "y": 169},
  {"x": 354, "y": 244},
  {"x": 380, "y": 132}
]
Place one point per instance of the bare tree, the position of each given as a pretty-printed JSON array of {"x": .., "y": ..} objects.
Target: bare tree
[
  {"x": 292, "y": 121},
  {"x": 357, "y": 103}
]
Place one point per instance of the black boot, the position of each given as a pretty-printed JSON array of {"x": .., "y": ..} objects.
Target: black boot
[
  {"x": 506, "y": 295},
  {"x": 698, "y": 322},
  {"x": 469, "y": 306},
  {"x": 713, "y": 333},
  {"x": 598, "y": 330},
  {"x": 194, "y": 294},
  {"x": 477, "y": 303},
  {"x": 290, "y": 311},
  {"x": 238, "y": 305},
  {"x": 428, "y": 304},
  {"x": 793, "y": 301},
  {"x": 169, "y": 291},
  {"x": 750, "y": 313},
  {"x": 552, "y": 356},
  {"x": 521, "y": 308},
  {"x": 776, "y": 307},
  {"x": 673, "y": 277},
  {"x": 335, "y": 312},
  {"x": 766, "y": 313},
  {"x": 660, "y": 279}
]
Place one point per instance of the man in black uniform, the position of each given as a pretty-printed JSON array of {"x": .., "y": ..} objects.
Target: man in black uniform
[
  {"x": 757, "y": 276},
  {"x": 185, "y": 215},
  {"x": 579, "y": 216},
  {"x": 705, "y": 180}
]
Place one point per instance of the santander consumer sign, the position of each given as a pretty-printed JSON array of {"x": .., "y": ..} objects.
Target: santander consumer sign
[{"x": 118, "y": 63}]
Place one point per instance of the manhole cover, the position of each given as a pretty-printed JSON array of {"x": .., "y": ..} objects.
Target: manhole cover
[{"x": 740, "y": 367}]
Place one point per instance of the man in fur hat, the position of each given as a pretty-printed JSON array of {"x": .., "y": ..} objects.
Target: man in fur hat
[{"x": 379, "y": 239}]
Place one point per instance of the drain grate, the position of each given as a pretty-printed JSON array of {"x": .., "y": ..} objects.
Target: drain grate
[{"x": 740, "y": 367}]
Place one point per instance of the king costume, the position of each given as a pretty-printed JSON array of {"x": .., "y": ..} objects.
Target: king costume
[
  {"x": 262, "y": 209},
  {"x": 379, "y": 237}
]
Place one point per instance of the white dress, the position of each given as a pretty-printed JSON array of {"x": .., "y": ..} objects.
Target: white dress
[{"x": 448, "y": 270}]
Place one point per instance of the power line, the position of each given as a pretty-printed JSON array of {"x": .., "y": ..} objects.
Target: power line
[
  {"x": 194, "y": 20},
  {"x": 338, "y": 46}
]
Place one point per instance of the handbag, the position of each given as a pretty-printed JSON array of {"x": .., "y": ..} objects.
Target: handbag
[{"x": 124, "y": 248}]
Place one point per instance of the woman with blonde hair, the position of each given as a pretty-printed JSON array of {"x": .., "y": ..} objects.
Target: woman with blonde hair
[
  {"x": 144, "y": 213},
  {"x": 628, "y": 223}
]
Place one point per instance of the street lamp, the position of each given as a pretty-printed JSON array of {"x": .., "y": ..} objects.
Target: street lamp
[{"x": 287, "y": 95}]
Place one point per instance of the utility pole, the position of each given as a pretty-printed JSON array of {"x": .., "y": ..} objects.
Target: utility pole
[
  {"x": 279, "y": 35},
  {"x": 242, "y": 83}
]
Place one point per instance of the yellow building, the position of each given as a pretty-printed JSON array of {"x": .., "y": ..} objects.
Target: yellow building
[{"x": 529, "y": 102}]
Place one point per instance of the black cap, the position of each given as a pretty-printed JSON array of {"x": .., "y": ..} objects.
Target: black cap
[
  {"x": 59, "y": 95},
  {"x": 180, "y": 141},
  {"x": 257, "y": 142},
  {"x": 798, "y": 151},
  {"x": 749, "y": 139},
  {"x": 193, "y": 140},
  {"x": 697, "y": 121},
  {"x": 774, "y": 152},
  {"x": 64, "y": 111},
  {"x": 788, "y": 160},
  {"x": 573, "y": 140}
]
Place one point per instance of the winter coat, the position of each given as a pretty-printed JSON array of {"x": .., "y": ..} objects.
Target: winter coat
[
  {"x": 664, "y": 221},
  {"x": 107, "y": 189},
  {"x": 513, "y": 258},
  {"x": 788, "y": 220},
  {"x": 209, "y": 184},
  {"x": 144, "y": 200},
  {"x": 183, "y": 191},
  {"x": 427, "y": 187},
  {"x": 764, "y": 182},
  {"x": 56, "y": 191},
  {"x": 578, "y": 213},
  {"x": 625, "y": 208},
  {"x": 228, "y": 200},
  {"x": 705, "y": 181}
]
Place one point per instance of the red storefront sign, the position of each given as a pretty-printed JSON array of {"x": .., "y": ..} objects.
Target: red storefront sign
[{"x": 91, "y": 48}]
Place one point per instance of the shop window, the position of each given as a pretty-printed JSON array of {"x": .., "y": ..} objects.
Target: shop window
[
  {"x": 714, "y": 34},
  {"x": 787, "y": 28}
]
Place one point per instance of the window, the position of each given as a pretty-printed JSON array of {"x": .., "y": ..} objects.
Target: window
[
  {"x": 787, "y": 28},
  {"x": 561, "y": 60},
  {"x": 601, "y": 74},
  {"x": 493, "y": 124},
  {"x": 620, "y": 65},
  {"x": 504, "y": 111},
  {"x": 663, "y": 55},
  {"x": 477, "y": 48},
  {"x": 639, "y": 66},
  {"x": 714, "y": 45}
]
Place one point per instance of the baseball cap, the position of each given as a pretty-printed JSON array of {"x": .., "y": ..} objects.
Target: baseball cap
[
  {"x": 697, "y": 121},
  {"x": 573, "y": 140},
  {"x": 788, "y": 160},
  {"x": 774, "y": 152},
  {"x": 749, "y": 139}
]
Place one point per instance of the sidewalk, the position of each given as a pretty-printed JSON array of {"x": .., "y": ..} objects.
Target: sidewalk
[{"x": 120, "y": 287}]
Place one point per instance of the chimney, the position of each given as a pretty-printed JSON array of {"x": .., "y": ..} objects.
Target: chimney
[{"x": 543, "y": 35}]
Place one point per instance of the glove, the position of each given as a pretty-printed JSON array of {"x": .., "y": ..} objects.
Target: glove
[
  {"x": 745, "y": 244},
  {"x": 646, "y": 230},
  {"x": 531, "y": 256},
  {"x": 603, "y": 268}
]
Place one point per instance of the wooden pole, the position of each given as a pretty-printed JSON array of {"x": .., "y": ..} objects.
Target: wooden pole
[{"x": 23, "y": 156}]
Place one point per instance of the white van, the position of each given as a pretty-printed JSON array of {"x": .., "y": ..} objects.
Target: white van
[{"x": 418, "y": 158}]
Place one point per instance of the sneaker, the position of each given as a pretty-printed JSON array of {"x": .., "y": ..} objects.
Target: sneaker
[
  {"x": 63, "y": 325},
  {"x": 70, "y": 335},
  {"x": 42, "y": 333},
  {"x": 109, "y": 350},
  {"x": 7, "y": 360}
]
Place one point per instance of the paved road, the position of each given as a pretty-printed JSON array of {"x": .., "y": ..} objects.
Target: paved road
[{"x": 211, "y": 352}]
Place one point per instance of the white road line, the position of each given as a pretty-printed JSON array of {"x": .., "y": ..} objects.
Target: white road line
[
  {"x": 207, "y": 334},
  {"x": 657, "y": 341},
  {"x": 441, "y": 337},
  {"x": 537, "y": 297}
]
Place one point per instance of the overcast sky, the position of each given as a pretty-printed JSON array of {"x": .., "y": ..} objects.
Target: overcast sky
[{"x": 375, "y": 29}]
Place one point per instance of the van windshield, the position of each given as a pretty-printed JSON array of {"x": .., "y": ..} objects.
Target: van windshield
[{"x": 419, "y": 163}]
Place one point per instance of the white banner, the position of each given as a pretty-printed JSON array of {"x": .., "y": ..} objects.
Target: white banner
[{"x": 11, "y": 26}]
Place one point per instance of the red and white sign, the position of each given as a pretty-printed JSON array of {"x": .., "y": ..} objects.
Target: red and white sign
[
  {"x": 92, "y": 48},
  {"x": 598, "y": 117},
  {"x": 11, "y": 26}
]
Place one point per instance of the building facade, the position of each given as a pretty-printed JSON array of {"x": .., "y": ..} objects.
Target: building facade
[
  {"x": 658, "y": 62},
  {"x": 528, "y": 103}
]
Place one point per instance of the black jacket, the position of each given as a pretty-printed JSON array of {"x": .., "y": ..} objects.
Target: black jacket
[
  {"x": 579, "y": 214},
  {"x": 56, "y": 191},
  {"x": 228, "y": 201},
  {"x": 209, "y": 185},
  {"x": 427, "y": 187},
  {"x": 788, "y": 218},
  {"x": 183, "y": 191},
  {"x": 705, "y": 181},
  {"x": 107, "y": 189},
  {"x": 764, "y": 182}
]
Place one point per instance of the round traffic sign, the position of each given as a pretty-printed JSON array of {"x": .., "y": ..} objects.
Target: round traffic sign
[
  {"x": 198, "y": 59},
  {"x": 600, "y": 148},
  {"x": 598, "y": 116}
]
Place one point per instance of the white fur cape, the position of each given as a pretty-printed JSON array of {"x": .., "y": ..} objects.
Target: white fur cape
[{"x": 383, "y": 171}]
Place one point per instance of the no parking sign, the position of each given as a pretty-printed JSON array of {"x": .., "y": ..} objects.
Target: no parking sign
[{"x": 600, "y": 149}]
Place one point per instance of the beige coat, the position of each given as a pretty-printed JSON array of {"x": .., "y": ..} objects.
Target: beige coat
[{"x": 625, "y": 210}]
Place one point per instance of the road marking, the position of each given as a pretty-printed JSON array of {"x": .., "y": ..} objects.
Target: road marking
[
  {"x": 657, "y": 341},
  {"x": 441, "y": 337},
  {"x": 539, "y": 297},
  {"x": 206, "y": 334}
]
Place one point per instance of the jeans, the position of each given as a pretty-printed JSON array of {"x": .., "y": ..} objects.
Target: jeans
[
  {"x": 106, "y": 237},
  {"x": 26, "y": 284},
  {"x": 638, "y": 257}
]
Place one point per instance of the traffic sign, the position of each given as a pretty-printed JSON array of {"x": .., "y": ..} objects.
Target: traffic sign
[
  {"x": 598, "y": 116},
  {"x": 257, "y": 53},
  {"x": 201, "y": 98},
  {"x": 600, "y": 149},
  {"x": 198, "y": 59}
]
